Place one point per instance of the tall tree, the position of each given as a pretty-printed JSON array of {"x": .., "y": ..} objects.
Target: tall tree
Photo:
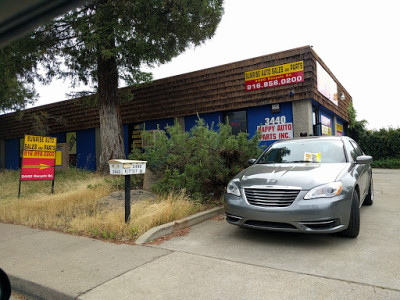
[
  {"x": 17, "y": 73},
  {"x": 107, "y": 41}
]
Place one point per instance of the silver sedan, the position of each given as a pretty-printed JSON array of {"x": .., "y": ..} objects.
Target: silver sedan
[{"x": 312, "y": 185}]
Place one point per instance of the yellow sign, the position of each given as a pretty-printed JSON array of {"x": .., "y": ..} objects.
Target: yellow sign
[
  {"x": 326, "y": 130},
  {"x": 38, "y": 158},
  {"x": 39, "y": 154},
  {"x": 71, "y": 141},
  {"x": 39, "y": 143},
  {"x": 312, "y": 157},
  {"x": 276, "y": 70},
  {"x": 21, "y": 146},
  {"x": 58, "y": 158}
]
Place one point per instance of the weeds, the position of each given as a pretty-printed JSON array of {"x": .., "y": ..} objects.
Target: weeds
[{"x": 74, "y": 207}]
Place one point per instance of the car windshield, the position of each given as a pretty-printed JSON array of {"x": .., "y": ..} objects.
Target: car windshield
[{"x": 300, "y": 151}]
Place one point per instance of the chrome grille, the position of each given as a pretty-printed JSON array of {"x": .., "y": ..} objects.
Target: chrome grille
[{"x": 270, "y": 197}]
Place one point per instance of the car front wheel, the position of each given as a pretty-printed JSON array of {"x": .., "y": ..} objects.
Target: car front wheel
[
  {"x": 353, "y": 229},
  {"x": 370, "y": 197}
]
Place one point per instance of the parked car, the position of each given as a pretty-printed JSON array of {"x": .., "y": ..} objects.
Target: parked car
[{"x": 310, "y": 185}]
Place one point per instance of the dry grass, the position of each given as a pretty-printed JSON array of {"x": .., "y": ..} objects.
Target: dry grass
[{"x": 74, "y": 206}]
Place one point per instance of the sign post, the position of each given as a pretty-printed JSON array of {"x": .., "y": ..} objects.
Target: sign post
[
  {"x": 38, "y": 159},
  {"x": 127, "y": 167}
]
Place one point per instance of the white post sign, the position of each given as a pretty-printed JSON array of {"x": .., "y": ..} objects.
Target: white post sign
[{"x": 127, "y": 167}]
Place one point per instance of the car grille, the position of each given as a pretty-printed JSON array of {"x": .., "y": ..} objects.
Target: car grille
[{"x": 270, "y": 197}]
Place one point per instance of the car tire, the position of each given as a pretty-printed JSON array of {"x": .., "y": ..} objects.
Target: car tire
[
  {"x": 5, "y": 286},
  {"x": 353, "y": 229},
  {"x": 369, "y": 199}
]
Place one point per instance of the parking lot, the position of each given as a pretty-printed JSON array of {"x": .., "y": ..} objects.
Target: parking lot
[
  {"x": 215, "y": 260},
  {"x": 298, "y": 264}
]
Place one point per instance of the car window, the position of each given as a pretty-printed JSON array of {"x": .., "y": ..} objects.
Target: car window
[
  {"x": 351, "y": 150},
  {"x": 357, "y": 148},
  {"x": 324, "y": 151}
]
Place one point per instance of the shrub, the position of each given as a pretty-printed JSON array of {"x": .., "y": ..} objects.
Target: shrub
[
  {"x": 201, "y": 161},
  {"x": 380, "y": 144},
  {"x": 388, "y": 163},
  {"x": 383, "y": 144}
]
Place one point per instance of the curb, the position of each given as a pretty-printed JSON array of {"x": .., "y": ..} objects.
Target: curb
[
  {"x": 170, "y": 227},
  {"x": 36, "y": 291}
]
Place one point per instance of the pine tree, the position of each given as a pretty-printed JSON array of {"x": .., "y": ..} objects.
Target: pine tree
[{"x": 106, "y": 42}]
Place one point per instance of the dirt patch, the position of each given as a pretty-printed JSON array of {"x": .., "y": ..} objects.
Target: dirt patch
[
  {"x": 162, "y": 239},
  {"x": 218, "y": 218}
]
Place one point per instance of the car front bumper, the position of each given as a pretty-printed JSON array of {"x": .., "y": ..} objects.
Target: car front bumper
[{"x": 323, "y": 215}]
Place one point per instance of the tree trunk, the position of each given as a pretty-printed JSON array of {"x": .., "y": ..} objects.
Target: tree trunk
[{"x": 111, "y": 133}]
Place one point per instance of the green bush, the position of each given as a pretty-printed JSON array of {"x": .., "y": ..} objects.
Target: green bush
[
  {"x": 383, "y": 145},
  {"x": 201, "y": 161},
  {"x": 380, "y": 144},
  {"x": 388, "y": 163}
]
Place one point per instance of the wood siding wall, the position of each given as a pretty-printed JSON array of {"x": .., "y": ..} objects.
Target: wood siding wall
[{"x": 219, "y": 88}]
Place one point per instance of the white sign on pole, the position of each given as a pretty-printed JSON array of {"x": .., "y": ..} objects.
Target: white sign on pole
[{"x": 127, "y": 167}]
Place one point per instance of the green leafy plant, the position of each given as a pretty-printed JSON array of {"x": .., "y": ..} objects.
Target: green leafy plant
[
  {"x": 388, "y": 163},
  {"x": 201, "y": 161},
  {"x": 383, "y": 144}
]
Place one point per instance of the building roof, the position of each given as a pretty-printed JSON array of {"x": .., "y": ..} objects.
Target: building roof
[{"x": 220, "y": 88}]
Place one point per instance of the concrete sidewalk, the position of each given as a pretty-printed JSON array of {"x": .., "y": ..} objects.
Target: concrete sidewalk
[{"x": 52, "y": 265}]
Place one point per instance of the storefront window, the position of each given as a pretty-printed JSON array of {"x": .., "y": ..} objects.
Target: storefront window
[
  {"x": 237, "y": 120},
  {"x": 316, "y": 121}
]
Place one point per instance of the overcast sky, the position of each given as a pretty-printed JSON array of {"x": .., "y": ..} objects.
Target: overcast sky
[{"x": 357, "y": 40}]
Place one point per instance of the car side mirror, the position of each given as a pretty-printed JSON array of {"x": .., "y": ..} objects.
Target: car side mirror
[
  {"x": 364, "y": 159},
  {"x": 251, "y": 161}
]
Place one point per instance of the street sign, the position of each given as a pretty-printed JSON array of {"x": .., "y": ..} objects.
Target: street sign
[
  {"x": 127, "y": 167},
  {"x": 38, "y": 159},
  {"x": 38, "y": 165}
]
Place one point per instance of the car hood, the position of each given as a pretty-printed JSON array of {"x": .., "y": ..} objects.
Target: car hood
[{"x": 303, "y": 175}]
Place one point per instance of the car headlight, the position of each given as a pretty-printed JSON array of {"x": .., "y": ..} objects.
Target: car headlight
[
  {"x": 233, "y": 189},
  {"x": 325, "y": 191}
]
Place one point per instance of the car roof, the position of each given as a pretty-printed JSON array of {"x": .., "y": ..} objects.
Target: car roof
[{"x": 313, "y": 138}]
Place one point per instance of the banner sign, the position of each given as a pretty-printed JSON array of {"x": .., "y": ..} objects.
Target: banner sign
[
  {"x": 274, "y": 76},
  {"x": 276, "y": 128},
  {"x": 326, "y": 85},
  {"x": 326, "y": 127},
  {"x": 71, "y": 141},
  {"x": 38, "y": 158},
  {"x": 339, "y": 129},
  {"x": 326, "y": 130}
]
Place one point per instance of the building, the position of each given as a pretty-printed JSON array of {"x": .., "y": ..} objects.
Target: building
[{"x": 283, "y": 94}]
